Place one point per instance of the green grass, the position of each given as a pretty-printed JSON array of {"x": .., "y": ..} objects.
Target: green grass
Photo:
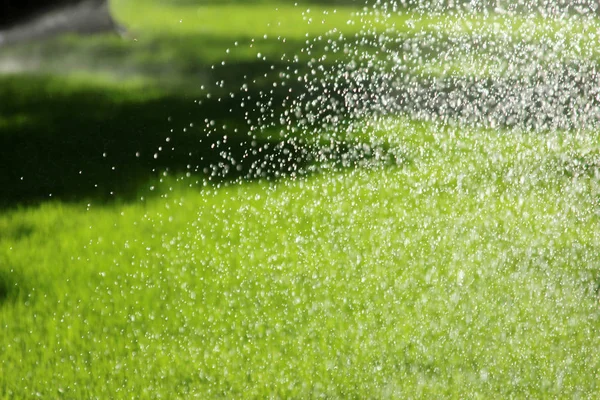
[
  {"x": 173, "y": 45},
  {"x": 235, "y": 20},
  {"x": 468, "y": 269}
]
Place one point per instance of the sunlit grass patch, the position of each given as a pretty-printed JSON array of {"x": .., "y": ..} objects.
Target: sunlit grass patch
[
  {"x": 233, "y": 20},
  {"x": 470, "y": 270},
  {"x": 466, "y": 268}
]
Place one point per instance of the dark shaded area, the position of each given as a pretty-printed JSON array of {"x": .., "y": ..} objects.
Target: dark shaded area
[
  {"x": 35, "y": 20},
  {"x": 16, "y": 11},
  {"x": 16, "y": 231},
  {"x": 80, "y": 143},
  {"x": 6, "y": 287},
  {"x": 13, "y": 285},
  {"x": 83, "y": 143},
  {"x": 60, "y": 139},
  {"x": 86, "y": 142},
  {"x": 3, "y": 289}
]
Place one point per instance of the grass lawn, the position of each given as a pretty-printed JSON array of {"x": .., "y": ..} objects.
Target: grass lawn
[
  {"x": 467, "y": 269},
  {"x": 465, "y": 272}
]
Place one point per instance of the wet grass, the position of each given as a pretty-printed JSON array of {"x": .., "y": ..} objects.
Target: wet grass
[
  {"x": 81, "y": 140},
  {"x": 467, "y": 269}
]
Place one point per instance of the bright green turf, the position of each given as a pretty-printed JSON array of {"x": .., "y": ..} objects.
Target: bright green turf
[{"x": 471, "y": 270}]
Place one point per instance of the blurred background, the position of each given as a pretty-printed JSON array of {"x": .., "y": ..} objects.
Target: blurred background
[
  {"x": 97, "y": 97},
  {"x": 100, "y": 97},
  {"x": 465, "y": 262}
]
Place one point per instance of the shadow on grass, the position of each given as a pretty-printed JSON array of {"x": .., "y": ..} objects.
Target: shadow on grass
[
  {"x": 15, "y": 231},
  {"x": 60, "y": 139},
  {"x": 83, "y": 139},
  {"x": 9, "y": 290},
  {"x": 3, "y": 289},
  {"x": 75, "y": 140},
  {"x": 86, "y": 142}
]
